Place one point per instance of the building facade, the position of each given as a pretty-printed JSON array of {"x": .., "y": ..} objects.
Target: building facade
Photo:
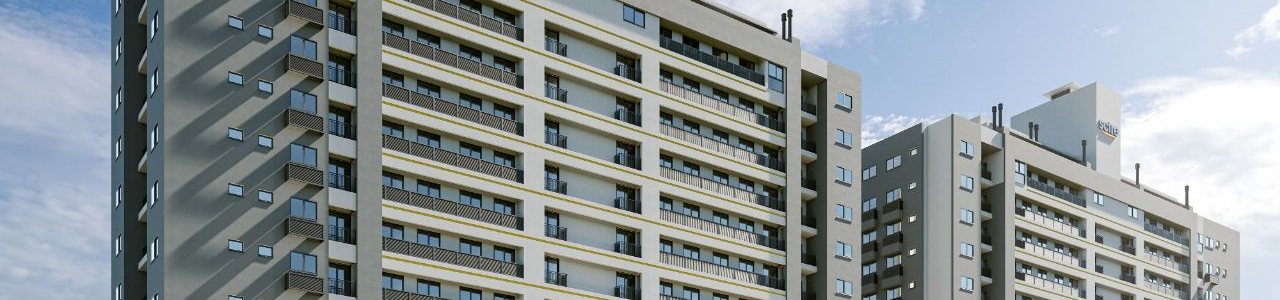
[
  {"x": 1036, "y": 209},
  {"x": 306, "y": 149}
]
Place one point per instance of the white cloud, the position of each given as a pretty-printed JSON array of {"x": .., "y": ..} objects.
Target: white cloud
[
  {"x": 823, "y": 23},
  {"x": 54, "y": 134},
  {"x": 1106, "y": 31},
  {"x": 879, "y": 127},
  {"x": 1266, "y": 30},
  {"x": 1216, "y": 131}
]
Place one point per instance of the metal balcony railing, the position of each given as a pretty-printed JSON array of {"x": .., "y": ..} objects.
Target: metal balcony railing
[
  {"x": 1064, "y": 195},
  {"x": 722, "y": 105},
  {"x": 557, "y": 232},
  {"x": 555, "y": 46},
  {"x": 452, "y": 257},
  {"x": 304, "y": 11},
  {"x": 1048, "y": 221},
  {"x": 809, "y": 107},
  {"x": 809, "y": 183},
  {"x": 452, "y": 109},
  {"x": 632, "y": 249},
  {"x": 555, "y": 92},
  {"x": 711, "y": 60},
  {"x": 626, "y": 72},
  {"x": 627, "y": 204},
  {"x": 341, "y": 76},
  {"x": 557, "y": 278},
  {"x": 809, "y": 259},
  {"x": 628, "y": 116},
  {"x": 304, "y": 173},
  {"x": 305, "y": 66},
  {"x": 453, "y": 60},
  {"x": 808, "y": 145},
  {"x": 1166, "y": 261},
  {"x": 452, "y": 158},
  {"x": 341, "y": 23},
  {"x": 556, "y": 139},
  {"x": 304, "y": 228},
  {"x": 341, "y": 181},
  {"x": 1050, "y": 253},
  {"x": 627, "y": 160},
  {"x": 452, "y": 208},
  {"x": 722, "y": 147},
  {"x": 723, "y": 271},
  {"x": 475, "y": 18},
  {"x": 626, "y": 292},
  {"x": 303, "y": 119},
  {"x": 1169, "y": 235},
  {"x": 341, "y": 129},
  {"x": 1049, "y": 284},
  {"x": 893, "y": 271},
  {"x": 809, "y": 221},
  {"x": 342, "y": 287},
  {"x": 342, "y": 234},
  {"x": 721, "y": 229},
  {"x": 724, "y": 189},
  {"x": 393, "y": 294},
  {"x": 558, "y": 186},
  {"x": 305, "y": 282},
  {"x": 1176, "y": 293}
]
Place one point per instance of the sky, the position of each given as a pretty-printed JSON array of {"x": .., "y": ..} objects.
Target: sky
[{"x": 1201, "y": 82}]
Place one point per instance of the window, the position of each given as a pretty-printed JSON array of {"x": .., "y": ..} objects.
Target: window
[
  {"x": 468, "y": 294},
  {"x": 504, "y": 207},
  {"x": 264, "y": 251},
  {"x": 154, "y": 78},
  {"x": 844, "y": 250},
  {"x": 720, "y": 259},
  {"x": 302, "y": 155},
  {"x": 503, "y": 159},
  {"x": 469, "y": 198},
  {"x": 844, "y": 100},
  {"x": 470, "y": 150},
  {"x": 302, "y": 208},
  {"x": 428, "y": 238},
  {"x": 265, "y": 86},
  {"x": 966, "y": 183},
  {"x": 119, "y": 147},
  {"x": 470, "y": 53},
  {"x": 633, "y": 15},
  {"x": 235, "y": 134},
  {"x": 155, "y": 248},
  {"x": 154, "y": 137},
  {"x": 894, "y": 195},
  {"x": 393, "y": 231},
  {"x": 393, "y": 28},
  {"x": 844, "y": 212},
  {"x": 869, "y": 204},
  {"x": 392, "y": 130},
  {"x": 154, "y": 193},
  {"x": 265, "y": 141},
  {"x": 265, "y": 196},
  {"x": 235, "y": 22},
  {"x": 868, "y": 173},
  {"x": 893, "y": 228},
  {"x": 1133, "y": 212},
  {"x": 119, "y": 286},
  {"x": 265, "y": 32},
  {"x": 235, "y": 190},
  {"x": 868, "y": 237},
  {"x": 117, "y": 246},
  {"x": 119, "y": 52},
  {"x": 119, "y": 5},
  {"x": 966, "y": 216},
  {"x": 1100, "y": 199},
  {"x": 869, "y": 269},
  {"x": 966, "y": 149},
  {"x": 234, "y": 297},
  {"x": 777, "y": 78},
  {"x": 302, "y": 47},
  {"x": 844, "y": 138},
  {"x": 844, "y": 175},
  {"x": 470, "y": 247},
  {"x": 893, "y": 163},
  {"x": 893, "y": 261},
  {"x": 429, "y": 288},
  {"x": 235, "y": 246},
  {"x": 966, "y": 284},
  {"x": 966, "y": 250},
  {"x": 235, "y": 78},
  {"x": 844, "y": 287},
  {"x": 302, "y": 262},
  {"x": 428, "y": 188},
  {"x": 119, "y": 195},
  {"x": 119, "y": 96},
  {"x": 1020, "y": 172},
  {"x": 154, "y": 26}
]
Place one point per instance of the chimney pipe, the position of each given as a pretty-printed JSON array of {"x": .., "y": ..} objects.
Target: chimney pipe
[
  {"x": 1137, "y": 174},
  {"x": 1000, "y": 114},
  {"x": 1036, "y": 134},
  {"x": 1084, "y": 152},
  {"x": 1186, "y": 200},
  {"x": 784, "y": 28},
  {"x": 1031, "y": 130},
  {"x": 994, "y": 117},
  {"x": 791, "y": 28}
]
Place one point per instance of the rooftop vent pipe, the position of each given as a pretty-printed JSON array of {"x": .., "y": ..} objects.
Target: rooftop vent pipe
[
  {"x": 1137, "y": 174},
  {"x": 1000, "y": 115},
  {"x": 1084, "y": 152},
  {"x": 1186, "y": 200}
]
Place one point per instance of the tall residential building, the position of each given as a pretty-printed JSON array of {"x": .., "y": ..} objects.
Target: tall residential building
[
  {"x": 306, "y": 149},
  {"x": 1035, "y": 209}
]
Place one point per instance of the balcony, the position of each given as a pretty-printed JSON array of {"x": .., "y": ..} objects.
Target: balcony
[
  {"x": 627, "y": 115},
  {"x": 723, "y": 271},
  {"x": 453, "y": 60},
  {"x": 809, "y": 259},
  {"x": 723, "y": 106},
  {"x": 808, "y": 183},
  {"x": 555, "y": 46},
  {"x": 305, "y": 66},
  {"x": 1176, "y": 293},
  {"x": 452, "y": 109},
  {"x": 626, "y": 72},
  {"x": 626, "y": 292},
  {"x": 1049, "y": 285},
  {"x": 342, "y": 287},
  {"x": 1166, "y": 262},
  {"x": 809, "y": 108},
  {"x": 632, "y": 249},
  {"x": 554, "y": 92},
  {"x": 894, "y": 206},
  {"x": 1050, "y": 254},
  {"x": 452, "y": 158},
  {"x": 627, "y": 204},
  {"x": 337, "y": 75},
  {"x": 720, "y": 229},
  {"x": 556, "y": 278},
  {"x": 556, "y": 139},
  {"x": 722, "y": 147},
  {"x": 305, "y": 282},
  {"x": 627, "y": 160},
  {"x": 869, "y": 247},
  {"x": 304, "y": 173},
  {"x": 557, "y": 232},
  {"x": 390, "y": 294},
  {"x": 808, "y": 145},
  {"x": 341, "y": 23},
  {"x": 1061, "y": 194},
  {"x": 304, "y": 12},
  {"x": 452, "y": 257},
  {"x": 473, "y": 17},
  {"x": 891, "y": 239},
  {"x": 1169, "y": 235},
  {"x": 342, "y": 234},
  {"x": 341, "y": 129},
  {"x": 808, "y": 221},
  {"x": 872, "y": 278},
  {"x": 556, "y": 185},
  {"x": 305, "y": 120},
  {"x": 893, "y": 271},
  {"x": 724, "y": 189},
  {"x": 344, "y": 182},
  {"x": 711, "y": 60},
  {"x": 452, "y": 208},
  {"x": 304, "y": 228},
  {"x": 1047, "y": 221}
]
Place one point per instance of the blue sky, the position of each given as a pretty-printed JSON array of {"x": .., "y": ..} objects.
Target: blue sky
[{"x": 1201, "y": 81}]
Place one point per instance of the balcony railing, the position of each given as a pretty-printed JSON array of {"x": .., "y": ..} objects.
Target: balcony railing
[
  {"x": 1167, "y": 262},
  {"x": 344, "y": 182},
  {"x": 712, "y": 60},
  {"x": 871, "y": 246},
  {"x": 1049, "y": 284},
  {"x": 720, "y": 229},
  {"x": 452, "y": 109},
  {"x": 345, "y": 77},
  {"x": 557, "y": 278},
  {"x": 626, "y": 72},
  {"x": 890, "y": 239},
  {"x": 722, "y": 147},
  {"x": 808, "y": 221},
  {"x": 305, "y": 120},
  {"x": 809, "y": 259},
  {"x": 626, "y": 292},
  {"x": 632, "y": 249},
  {"x": 341, "y": 129},
  {"x": 555, "y": 46},
  {"x": 342, "y": 287},
  {"x": 473, "y": 17},
  {"x": 1048, "y": 221},
  {"x": 627, "y": 204},
  {"x": 342, "y": 234},
  {"x": 452, "y": 257},
  {"x": 555, "y": 92},
  {"x": 305, "y": 66},
  {"x": 556, "y": 139},
  {"x": 808, "y": 145},
  {"x": 724, "y": 189},
  {"x": 872, "y": 278},
  {"x": 893, "y": 271},
  {"x": 722, "y": 271},
  {"x": 304, "y": 173},
  {"x": 304, "y": 228},
  {"x": 809, "y": 183},
  {"x": 452, "y": 158},
  {"x": 306, "y": 282},
  {"x": 557, "y": 232},
  {"x": 304, "y": 11},
  {"x": 556, "y": 185},
  {"x": 626, "y": 115},
  {"x": 627, "y": 160},
  {"x": 1050, "y": 254},
  {"x": 809, "y": 107},
  {"x": 452, "y": 208},
  {"x": 722, "y": 105},
  {"x": 1064, "y": 195},
  {"x": 893, "y": 206},
  {"x": 1169, "y": 235},
  {"x": 392, "y": 294},
  {"x": 452, "y": 59},
  {"x": 1166, "y": 290},
  {"x": 342, "y": 23}
]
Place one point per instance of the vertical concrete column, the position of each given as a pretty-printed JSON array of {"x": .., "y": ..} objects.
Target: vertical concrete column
[{"x": 368, "y": 218}]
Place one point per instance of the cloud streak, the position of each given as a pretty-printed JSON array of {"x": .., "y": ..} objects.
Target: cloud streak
[
  {"x": 831, "y": 23},
  {"x": 879, "y": 127},
  {"x": 1266, "y": 30}
]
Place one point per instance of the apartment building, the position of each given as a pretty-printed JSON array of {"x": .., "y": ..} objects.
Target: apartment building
[
  {"x": 307, "y": 149},
  {"x": 1033, "y": 209}
]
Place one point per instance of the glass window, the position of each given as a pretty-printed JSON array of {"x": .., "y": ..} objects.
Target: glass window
[
  {"x": 265, "y": 86},
  {"x": 893, "y": 163},
  {"x": 235, "y": 22},
  {"x": 392, "y": 282},
  {"x": 469, "y": 198},
  {"x": 154, "y": 192},
  {"x": 844, "y": 138},
  {"x": 633, "y": 15},
  {"x": 503, "y": 159},
  {"x": 429, "y": 238},
  {"x": 265, "y": 141},
  {"x": 894, "y": 195},
  {"x": 844, "y": 250},
  {"x": 966, "y": 250},
  {"x": 393, "y": 180},
  {"x": 235, "y": 246},
  {"x": 844, "y": 287},
  {"x": 303, "y": 101},
  {"x": 966, "y": 149},
  {"x": 966, "y": 283},
  {"x": 504, "y": 207},
  {"x": 235, "y": 190},
  {"x": 843, "y": 212},
  {"x": 429, "y": 288},
  {"x": 470, "y": 150},
  {"x": 235, "y": 78},
  {"x": 777, "y": 78},
  {"x": 302, "y": 155},
  {"x": 302, "y": 47},
  {"x": 265, "y": 251},
  {"x": 868, "y": 173},
  {"x": 470, "y": 53},
  {"x": 235, "y": 134},
  {"x": 966, "y": 183},
  {"x": 844, "y": 175},
  {"x": 504, "y": 254},
  {"x": 869, "y": 204},
  {"x": 393, "y": 231},
  {"x": 471, "y": 102},
  {"x": 469, "y": 247},
  {"x": 154, "y": 26},
  {"x": 265, "y": 196},
  {"x": 428, "y": 188},
  {"x": 468, "y": 294},
  {"x": 844, "y": 100},
  {"x": 392, "y": 129},
  {"x": 302, "y": 208},
  {"x": 966, "y": 216},
  {"x": 393, "y": 28},
  {"x": 265, "y": 32}
]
